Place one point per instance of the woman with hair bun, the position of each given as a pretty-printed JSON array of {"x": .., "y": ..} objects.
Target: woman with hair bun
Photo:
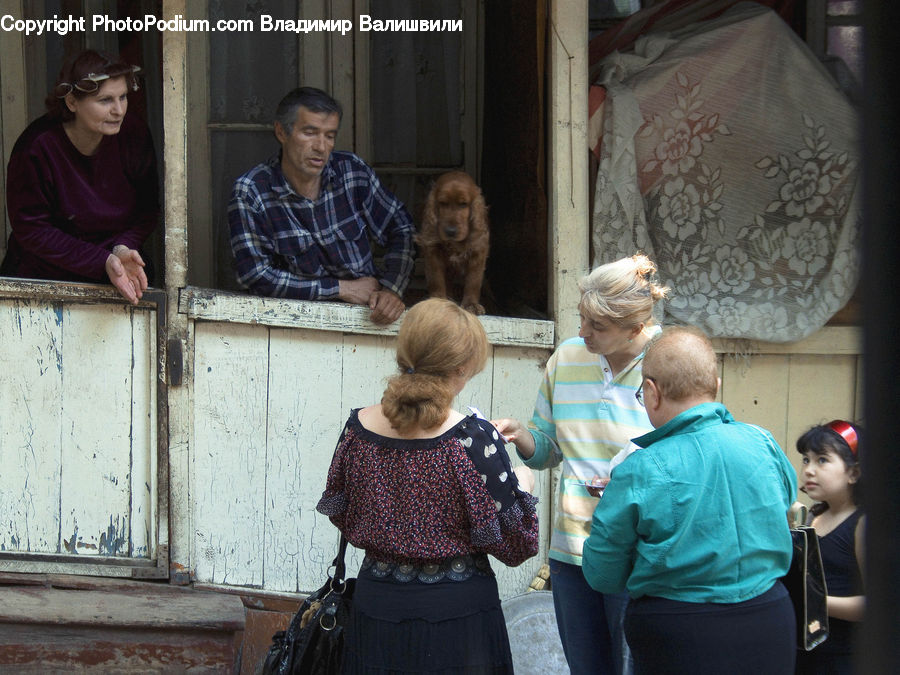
[
  {"x": 428, "y": 492},
  {"x": 82, "y": 191},
  {"x": 585, "y": 416}
]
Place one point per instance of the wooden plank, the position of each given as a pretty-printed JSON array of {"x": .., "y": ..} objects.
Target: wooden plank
[
  {"x": 175, "y": 217},
  {"x": 314, "y": 70},
  {"x": 517, "y": 375},
  {"x": 211, "y": 305},
  {"x": 107, "y": 649},
  {"x": 305, "y": 418},
  {"x": 341, "y": 72},
  {"x": 175, "y": 159},
  {"x": 755, "y": 390},
  {"x": 147, "y": 606},
  {"x": 362, "y": 87},
  {"x": 143, "y": 481},
  {"x": 828, "y": 340},
  {"x": 199, "y": 172},
  {"x": 478, "y": 391},
  {"x": 567, "y": 172},
  {"x": 30, "y": 425},
  {"x": 55, "y": 291},
  {"x": 261, "y": 626},
  {"x": 229, "y": 454},
  {"x": 97, "y": 387},
  {"x": 180, "y": 445},
  {"x": 470, "y": 56},
  {"x": 83, "y": 565},
  {"x": 368, "y": 362},
  {"x": 822, "y": 388},
  {"x": 13, "y": 104},
  {"x": 859, "y": 410}
]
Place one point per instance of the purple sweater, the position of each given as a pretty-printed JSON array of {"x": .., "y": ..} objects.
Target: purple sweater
[{"x": 68, "y": 211}]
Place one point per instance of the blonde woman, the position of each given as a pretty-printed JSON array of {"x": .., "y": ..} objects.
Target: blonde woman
[
  {"x": 586, "y": 413},
  {"x": 428, "y": 492}
]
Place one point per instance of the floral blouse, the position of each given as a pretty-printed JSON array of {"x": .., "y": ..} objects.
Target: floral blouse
[{"x": 424, "y": 500}]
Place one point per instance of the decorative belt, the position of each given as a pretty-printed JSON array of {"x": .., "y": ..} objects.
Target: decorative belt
[{"x": 458, "y": 568}]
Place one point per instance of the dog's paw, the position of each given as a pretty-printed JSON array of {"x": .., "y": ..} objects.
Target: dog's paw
[{"x": 474, "y": 307}]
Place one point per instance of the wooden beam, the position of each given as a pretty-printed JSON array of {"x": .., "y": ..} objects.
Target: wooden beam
[
  {"x": 210, "y": 305},
  {"x": 568, "y": 160},
  {"x": 175, "y": 122},
  {"x": 13, "y": 105}
]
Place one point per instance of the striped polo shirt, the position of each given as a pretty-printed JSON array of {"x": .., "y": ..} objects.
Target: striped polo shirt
[{"x": 582, "y": 418}]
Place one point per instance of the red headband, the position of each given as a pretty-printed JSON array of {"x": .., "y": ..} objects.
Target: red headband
[{"x": 846, "y": 431}]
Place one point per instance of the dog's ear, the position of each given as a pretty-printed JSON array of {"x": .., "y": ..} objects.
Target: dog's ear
[
  {"x": 478, "y": 213},
  {"x": 427, "y": 234},
  {"x": 429, "y": 211}
]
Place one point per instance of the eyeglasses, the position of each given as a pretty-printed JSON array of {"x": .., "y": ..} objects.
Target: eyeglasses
[
  {"x": 91, "y": 83},
  {"x": 639, "y": 394}
]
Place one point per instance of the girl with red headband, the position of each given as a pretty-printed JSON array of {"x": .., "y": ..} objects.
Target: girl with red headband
[{"x": 832, "y": 476}]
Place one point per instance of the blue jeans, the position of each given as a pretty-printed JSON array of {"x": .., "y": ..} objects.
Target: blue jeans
[{"x": 591, "y": 624}]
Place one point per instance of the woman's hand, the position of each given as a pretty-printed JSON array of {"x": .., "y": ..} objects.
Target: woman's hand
[
  {"x": 125, "y": 269},
  {"x": 514, "y": 431}
]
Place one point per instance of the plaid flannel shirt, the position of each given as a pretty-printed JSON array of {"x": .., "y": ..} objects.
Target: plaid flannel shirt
[{"x": 288, "y": 246}]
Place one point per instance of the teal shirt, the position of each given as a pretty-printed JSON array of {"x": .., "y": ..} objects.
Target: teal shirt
[{"x": 697, "y": 514}]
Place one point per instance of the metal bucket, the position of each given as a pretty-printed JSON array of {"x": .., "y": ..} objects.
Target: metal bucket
[{"x": 533, "y": 635}]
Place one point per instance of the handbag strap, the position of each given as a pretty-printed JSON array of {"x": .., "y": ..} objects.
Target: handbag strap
[
  {"x": 797, "y": 515},
  {"x": 340, "y": 568}
]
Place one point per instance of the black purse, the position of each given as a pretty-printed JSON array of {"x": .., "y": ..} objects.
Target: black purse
[
  {"x": 805, "y": 581},
  {"x": 313, "y": 643}
]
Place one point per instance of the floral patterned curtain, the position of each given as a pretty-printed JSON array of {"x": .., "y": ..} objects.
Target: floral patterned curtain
[{"x": 728, "y": 155}]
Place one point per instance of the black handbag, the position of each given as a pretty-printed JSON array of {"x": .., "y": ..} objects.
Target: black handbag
[
  {"x": 313, "y": 643},
  {"x": 805, "y": 581}
]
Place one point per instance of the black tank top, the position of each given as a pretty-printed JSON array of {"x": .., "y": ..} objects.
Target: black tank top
[
  {"x": 838, "y": 548},
  {"x": 843, "y": 578}
]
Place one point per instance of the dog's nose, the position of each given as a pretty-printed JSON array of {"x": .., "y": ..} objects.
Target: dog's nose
[{"x": 450, "y": 231}]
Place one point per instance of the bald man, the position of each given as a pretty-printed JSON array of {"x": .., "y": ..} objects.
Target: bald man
[{"x": 693, "y": 524}]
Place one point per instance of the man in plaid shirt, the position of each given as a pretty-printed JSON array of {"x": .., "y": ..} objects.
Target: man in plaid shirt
[{"x": 301, "y": 222}]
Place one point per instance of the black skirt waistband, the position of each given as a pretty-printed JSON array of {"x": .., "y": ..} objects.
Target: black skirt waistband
[{"x": 458, "y": 568}]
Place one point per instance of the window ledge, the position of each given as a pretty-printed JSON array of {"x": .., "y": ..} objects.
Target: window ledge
[
  {"x": 71, "y": 291},
  {"x": 212, "y": 305}
]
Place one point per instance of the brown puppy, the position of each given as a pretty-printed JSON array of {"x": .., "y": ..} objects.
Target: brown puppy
[{"x": 454, "y": 239}]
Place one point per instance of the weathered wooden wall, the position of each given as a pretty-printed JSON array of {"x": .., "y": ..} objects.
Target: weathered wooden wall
[
  {"x": 78, "y": 434},
  {"x": 787, "y": 388},
  {"x": 269, "y": 404}
]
